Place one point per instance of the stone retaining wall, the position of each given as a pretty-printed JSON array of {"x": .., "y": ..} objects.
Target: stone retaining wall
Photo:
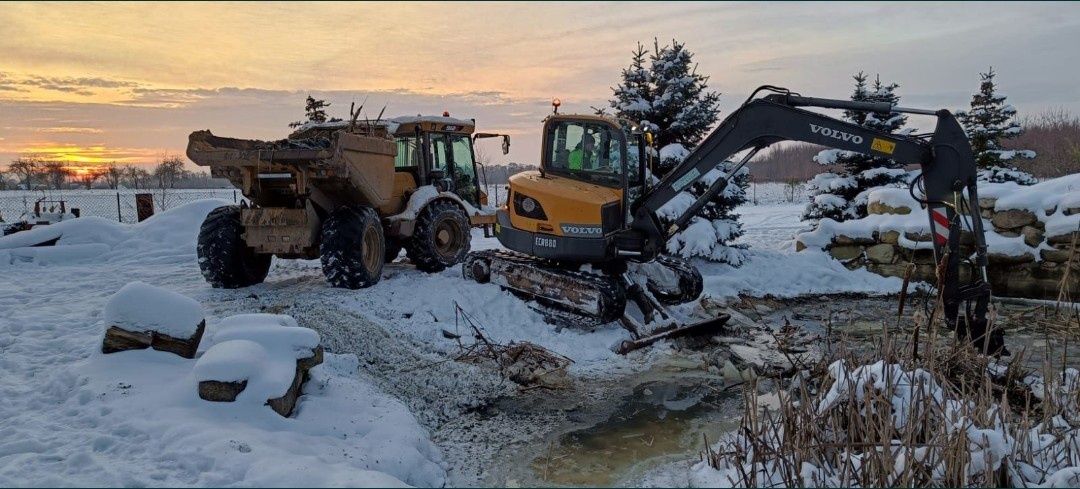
[{"x": 889, "y": 253}]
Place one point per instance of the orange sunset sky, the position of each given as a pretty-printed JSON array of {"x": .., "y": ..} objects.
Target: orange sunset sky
[{"x": 96, "y": 82}]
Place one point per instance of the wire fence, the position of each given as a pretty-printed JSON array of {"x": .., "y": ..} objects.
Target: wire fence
[{"x": 120, "y": 205}]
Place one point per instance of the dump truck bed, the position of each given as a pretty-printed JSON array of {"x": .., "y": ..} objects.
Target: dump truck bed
[
  {"x": 206, "y": 149},
  {"x": 343, "y": 166}
]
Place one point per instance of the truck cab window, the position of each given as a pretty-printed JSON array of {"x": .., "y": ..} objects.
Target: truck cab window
[{"x": 464, "y": 171}]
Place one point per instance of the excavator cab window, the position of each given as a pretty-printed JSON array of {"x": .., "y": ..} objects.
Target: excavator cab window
[{"x": 588, "y": 151}]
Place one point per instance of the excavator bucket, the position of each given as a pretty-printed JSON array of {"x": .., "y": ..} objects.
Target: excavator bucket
[{"x": 700, "y": 328}]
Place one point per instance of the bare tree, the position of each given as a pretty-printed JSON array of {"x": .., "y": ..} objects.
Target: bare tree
[
  {"x": 112, "y": 175},
  {"x": 3, "y": 179},
  {"x": 87, "y": 177},
  {"x": 25, "y": 168},
  {"x": 56, "y": 174},
  {"x": 136, "y": 177},
  {"x": 168, "y": 171}
]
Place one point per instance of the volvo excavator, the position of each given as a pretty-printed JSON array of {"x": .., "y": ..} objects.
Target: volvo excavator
[{"x": 574, "y": 227}]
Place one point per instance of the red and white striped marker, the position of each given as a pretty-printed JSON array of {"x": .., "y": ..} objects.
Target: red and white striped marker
[{"x": 941, "y": 227}]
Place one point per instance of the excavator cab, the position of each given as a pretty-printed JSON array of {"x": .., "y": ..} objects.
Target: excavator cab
[{"x": 571, "y": 209}]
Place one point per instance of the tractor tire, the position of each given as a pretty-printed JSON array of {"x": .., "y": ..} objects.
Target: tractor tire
[
  {"x": 440, "y": 238},
  {"x": 352, "y": 248},
  {"x": 393, "y": 249},
  {"x": 225, "y": 260}
]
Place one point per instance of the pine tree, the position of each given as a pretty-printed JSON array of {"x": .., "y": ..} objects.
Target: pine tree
[
  {"x": 314, "y": 111},
  {"x": 842, "y": 195},
  {"x": 633, "y": 97},
  {"x": 988, "y": 122},
  {"x": 664, "y": 90}
]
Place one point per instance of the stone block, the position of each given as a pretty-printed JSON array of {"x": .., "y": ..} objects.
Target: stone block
[
  {"x": 218, "y": 391},
  {"x": 1062, "y": 239},
  {"x": 118, "y": 339},
  {"x": 845, "y": 252},
  {"x": 1003, "y": 259},
  {"x": 1032, "y": 236},
  {"x": 1056, "y": 256},
  {"x": 284, "y": 405},
  {"x": 921, "y": 237},
  {"x": 844, "y": 240},
  {"x": 875, "y": 207},
  {"x": 1013, "y": 219},
  {"x": 185, "y": 347},
  {"x": 881, "y": 253},
  {"x": 890, "y": 237}
]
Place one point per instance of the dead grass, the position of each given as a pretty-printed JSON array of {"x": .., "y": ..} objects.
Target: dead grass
[{"x": 884, "y": 415}]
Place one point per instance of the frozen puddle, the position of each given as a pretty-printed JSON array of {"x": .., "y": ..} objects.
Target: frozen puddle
[{"x": 661, "y": 420}]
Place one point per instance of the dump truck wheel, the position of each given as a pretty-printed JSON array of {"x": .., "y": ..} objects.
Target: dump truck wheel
[
  {"x": 225, "y": 260},
  {"x": 393, "y": 249},
  {"x": 440, "y": 238},
  {"x": 352, "y": 249}
]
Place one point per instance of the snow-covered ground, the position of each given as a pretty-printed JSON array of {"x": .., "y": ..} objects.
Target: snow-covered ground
[{"x": 72, "y": 416}]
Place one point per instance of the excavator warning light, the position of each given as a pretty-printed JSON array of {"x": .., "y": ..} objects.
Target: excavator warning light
[
  {"x": 555, "y": 103},
  {"x": 446, "y": 113}
]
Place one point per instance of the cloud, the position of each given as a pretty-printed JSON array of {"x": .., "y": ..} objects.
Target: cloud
[
  {"x": 66, "y": 84},
  {"x": 69, "y": 130}
]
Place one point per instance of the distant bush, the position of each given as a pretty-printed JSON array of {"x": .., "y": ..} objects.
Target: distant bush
[{"x": 1054, "y": 135}]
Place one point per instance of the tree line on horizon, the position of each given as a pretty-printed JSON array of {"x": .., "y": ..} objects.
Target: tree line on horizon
[{"x": 37, "y": 172}]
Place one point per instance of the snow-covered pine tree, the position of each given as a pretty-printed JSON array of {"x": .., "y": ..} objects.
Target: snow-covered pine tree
[
  {"x": 842, "y": 195},
  {"x": 664, "y": 90},
  {"x": 633, "y": 95},
  {"x": 988, "y": 122},
  {"x": 314, "y": 112}
]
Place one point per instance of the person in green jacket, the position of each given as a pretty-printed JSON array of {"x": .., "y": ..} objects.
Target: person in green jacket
[{"x": 582, "y": 151}]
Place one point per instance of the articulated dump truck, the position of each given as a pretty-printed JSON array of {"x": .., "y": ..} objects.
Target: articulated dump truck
[{"x": 352, "y": 194}]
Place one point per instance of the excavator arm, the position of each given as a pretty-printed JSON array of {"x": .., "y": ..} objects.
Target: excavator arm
[{"x": 948, "y": 181}]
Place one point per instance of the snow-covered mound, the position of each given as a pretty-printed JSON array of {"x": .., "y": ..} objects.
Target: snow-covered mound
[
  {"x": 168, "y": 233},
  {"x": 141, "y": 307}
]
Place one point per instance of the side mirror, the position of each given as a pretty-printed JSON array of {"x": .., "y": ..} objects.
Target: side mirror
[{"x": 505, "y": 138}]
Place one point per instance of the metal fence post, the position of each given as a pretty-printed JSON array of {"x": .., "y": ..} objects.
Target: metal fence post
[
  {"x": 119, "y": 216},
  {"x": 234, "y": 196}
]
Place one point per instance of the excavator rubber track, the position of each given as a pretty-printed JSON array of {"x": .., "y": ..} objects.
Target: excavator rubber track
[{"x": 574, "y": 297}]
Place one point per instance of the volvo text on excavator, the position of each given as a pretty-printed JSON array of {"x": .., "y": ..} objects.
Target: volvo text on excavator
[{"x": 575, "y": 226}]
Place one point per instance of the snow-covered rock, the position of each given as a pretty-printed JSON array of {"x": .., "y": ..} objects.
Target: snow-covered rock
[
  {"x": 139, "y": 316},
  {"x": 259, "y": 359}
]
